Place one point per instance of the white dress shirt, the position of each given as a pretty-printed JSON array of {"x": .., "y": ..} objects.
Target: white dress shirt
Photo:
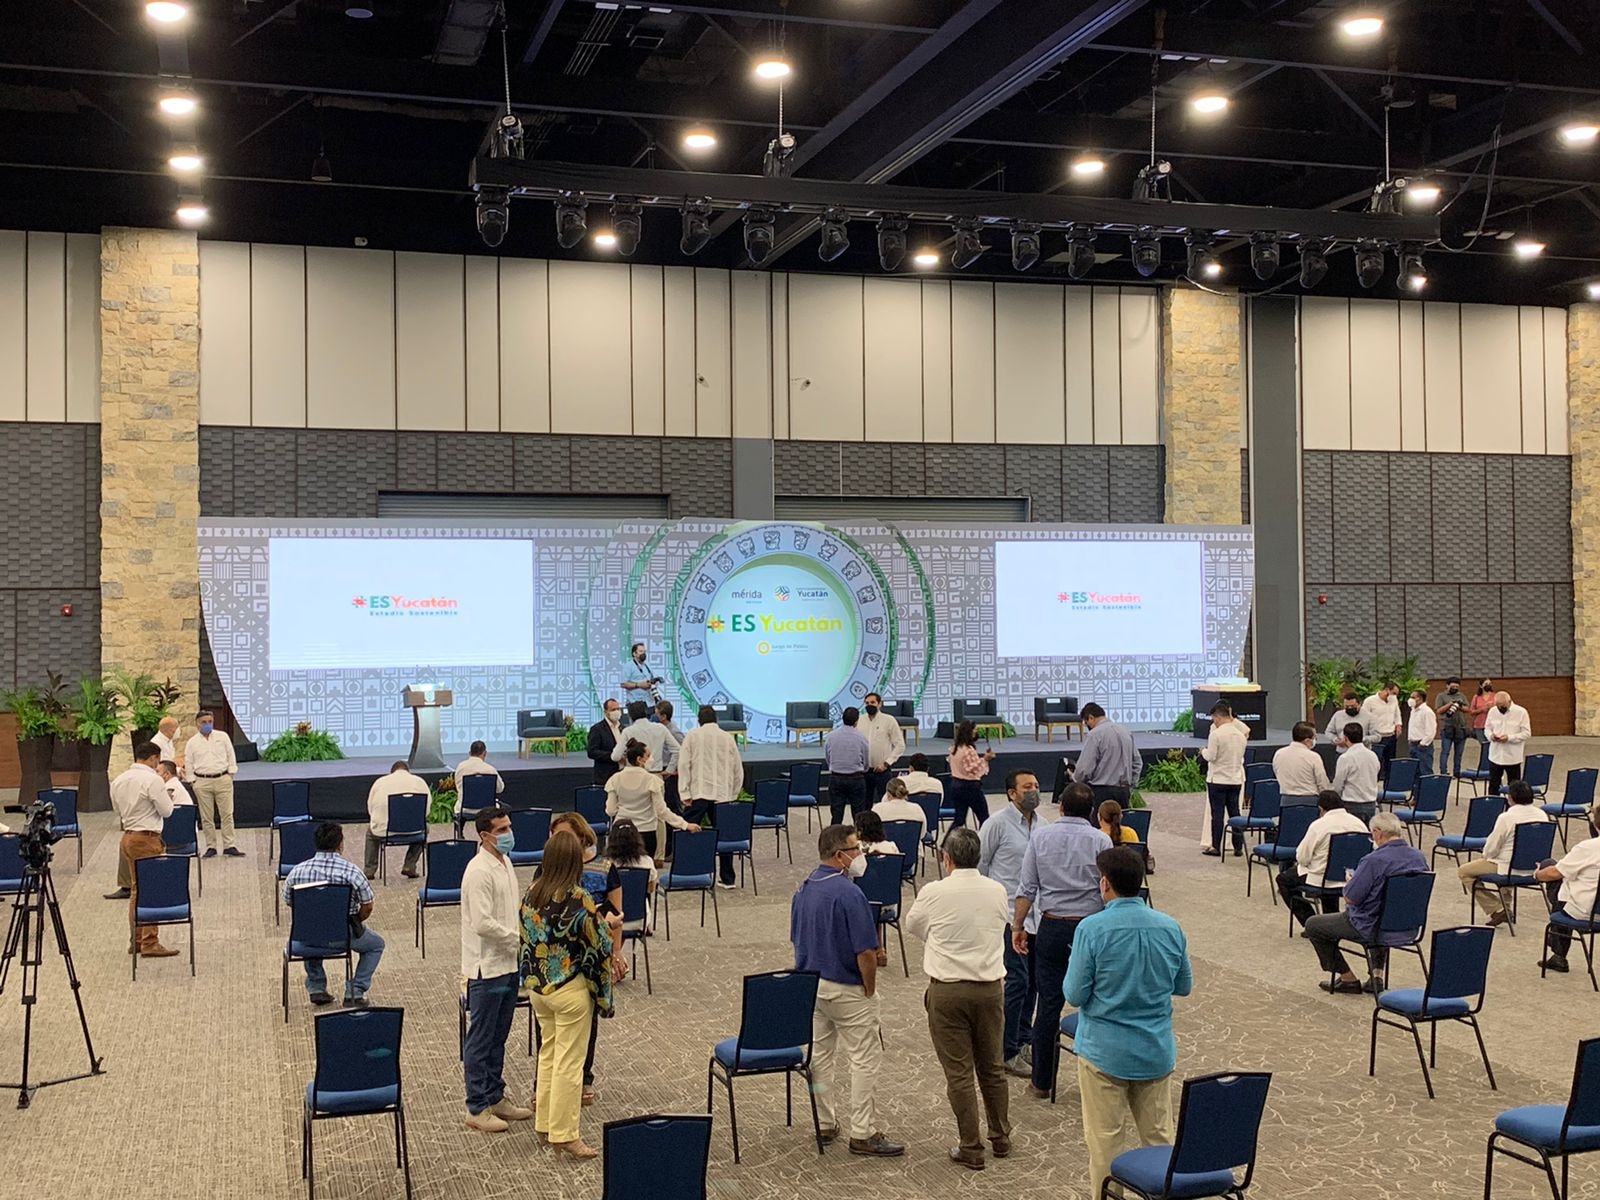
[
  {"x": 1299, "y": 772},
  {"x": 886, "y": 741},
  {"x": 652, "y": 734},
  {"x": 395, "y": 783},
  {"x": 169, "y": 752},
  {"x": 1423, "y": 726},
  {"x": 1513, "y": 724},
  {"x": 179, "y": 793},
  {"x": 891, "y": 808},
  {"x": 1356, "y": 776},
  {"x": 1224, "y": 752},
  {"x": 491, "y": 923},
  {"x": 1580, "y": 876},
  {"x": 1380, "y": 716},
  {"x": 1311, "y": 855},
  {"x": 209, "y": 756},
  {"x": 709, "y": 766},
  {"x": 920, "y": 783},
  {"x": 634, "y": 794},
  {"x": 473, "y": 765},
  {"x": 140, "y": 797},
  {"x": 1503, "y": 836},
  {"x": 962, "y": 920}
]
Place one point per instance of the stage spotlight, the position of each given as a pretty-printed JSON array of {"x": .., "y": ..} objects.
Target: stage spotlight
[
  {"x": 773, "y": 66},
  {"x": 321, "y": 169},
  {"x": 1080, "y": 250},
  {"x": 699, "y": 140},
  {"x": 604, "y": 240},
  {"x": 1413, "y": 274},
  {"x": 185, "y": 161},
  {"x": 925, "y": 260},
  {"x": 758, "y": 233},
  {"x": 1313, "y": 262},
  {"x": 627, "y": 222},
  {"x": 1146, "y": 246},
  {"x": 1025, "y": 245},
  {"x": 1362, "y": 25},
  {"x": 1421, "y": 194},
  {"x": 778, "y": 161},
  {"x": 835, "y": 234},
  {"x": 1264, "y": 255},
  {"x": 1088, "y": 165},
  {"x": 696, "y": 227},
  {"x": 969, "y": 244},
  {"x": 1369, "y": 262},
  {"x": 572, "y": 223},
  {"x": 1201, "y": 258},
  {"x": 1582, "y": 132},
  {"x": 1209, "y": 103},
  {"x": 192, "y": 212},
  {"x": 891, "y": 241},
  {"x": 1527, "y": 247},
  {"x": 494, "y": 216},
  {"x": 178, "y": 104}
]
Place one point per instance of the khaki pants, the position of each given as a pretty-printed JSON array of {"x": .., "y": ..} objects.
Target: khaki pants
[
  {"x": 133, "y": 847},
  {"x": 215, "y": 800},
  {"x": 1107, "y": 1104},
  {"x": 967, "y": 1022},
  {"x": 564, "y": 1017},
  {"x": 846, "y": 1020},
  {"x": 1488, "y": 897}
]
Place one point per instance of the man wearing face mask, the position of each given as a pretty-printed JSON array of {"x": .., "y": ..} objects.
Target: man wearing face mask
[
  {"x": 1380, "y": 713},
  {"x": 209, "y": 766},
  {"x": 603, "y": 740},
  {"x": 1508, "y": 730},
  {"x": 886, "y": 742},
  {"x": 1004, "y": 842},
  {"x": 1349, "y": 710},
  {"x": 1455, "y": 725},
  {"x": 1421, "y": 729},
  {"x": 833, "y": 933}
]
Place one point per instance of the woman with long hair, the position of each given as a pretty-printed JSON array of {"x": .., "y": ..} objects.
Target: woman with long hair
[
  {"x": 1111, "y": 825},
  {"x": 568, "y": 969},
  {"x": 637, "y": 793},
  {"x": 604, "y": 886},
  {"x": 625, "y": 850},
  {"x": 967, "y": 769}
]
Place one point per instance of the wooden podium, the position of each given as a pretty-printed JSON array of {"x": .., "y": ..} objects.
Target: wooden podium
[{"x": 425, "y": 703}]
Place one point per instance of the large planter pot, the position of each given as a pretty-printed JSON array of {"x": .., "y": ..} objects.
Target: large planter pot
[
  {"x": 35, "y": 755},
  {"x": 94, "y": 786},
  {"x": 140, "y": 735}
]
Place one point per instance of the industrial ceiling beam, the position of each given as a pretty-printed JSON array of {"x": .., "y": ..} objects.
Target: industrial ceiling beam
[{"x": 889, "y": 16}]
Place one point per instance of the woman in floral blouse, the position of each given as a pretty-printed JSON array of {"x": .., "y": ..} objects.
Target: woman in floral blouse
[{"x": 567, "y": 971}]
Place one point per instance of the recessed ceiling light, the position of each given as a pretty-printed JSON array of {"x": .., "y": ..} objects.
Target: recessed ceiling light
[
  {"x": 1208, "y": 102},
  {"x": 1089, "y": 164},
  {"x": 605, "y": 241},
  {"x": 773, "y": 67},
  {"x": 1212, "y": 269},
  {"x": 178, "y": 104},
  {"x": 1594, "y": 291},
  {"x": 1363, "y": 25},
  {"x": 184, "y": 162},
  {"x": 192, "y": 212},
  {"x": 1580, "y": 133},
  {"x": 1526, "y": 247},
  {"x": 358, "y": 12},
  {"x": 926, "y": 258},
  {"x": 166, "y": 11},
  {"x": 1422, "y": 193},
  {"x": 699, "y": 139}
]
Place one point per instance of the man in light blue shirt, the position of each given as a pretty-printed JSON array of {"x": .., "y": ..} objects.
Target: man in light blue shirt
[
  {"x": 1128, "y": 962},
  {"x": 847, "y": 755},
  {"x": 1004, "y": 844}
]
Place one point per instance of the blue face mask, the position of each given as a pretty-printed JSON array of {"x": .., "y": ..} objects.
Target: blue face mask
[
  {"x": 505, "y": 842},
  {"x": 206, "y": 727}
]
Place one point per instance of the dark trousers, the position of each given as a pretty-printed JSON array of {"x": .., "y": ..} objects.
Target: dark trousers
[
  {"x": 1052, "y": 949},
  {"x": 1022, "y": 993},
  {"x": 650, "y": 840},
  {"x": 1557, "y": 938},
  {"x": 669, "y": 793},
  {"x": 966, "y": 795},
  {"x": 966, "y": 1020},
  {"x": 1385, "y": 749},
  {"x": 877, "y": 782},
  {"x": 693, "y": 812},
  {"x": 1289, "y": 881},
  {"x": 843, "y": 790},
  {"x": 1450, "y": 748},
  {"x": 491, "y": 1004},
  {"x": 1224, "y": 798},
  {"x": 1327, "y": 931},
  {"x": 588, "y": 1059},
  {"x": 1503, "y": 773}
]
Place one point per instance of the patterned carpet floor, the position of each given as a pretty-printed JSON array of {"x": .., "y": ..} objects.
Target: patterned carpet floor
[{"x": 204, "y": 1079}]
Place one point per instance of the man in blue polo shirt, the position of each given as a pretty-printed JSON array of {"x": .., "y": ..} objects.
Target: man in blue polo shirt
[{"x": 831, "y": 926}]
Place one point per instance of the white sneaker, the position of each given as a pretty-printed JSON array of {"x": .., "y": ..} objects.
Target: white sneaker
[
  {"x": 728, "y": 887},
  {"x": 486, "y": 1122},
  {"x": 508, "y": 1110}
]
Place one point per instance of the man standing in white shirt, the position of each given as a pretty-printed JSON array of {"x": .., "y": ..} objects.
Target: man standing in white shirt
[
  {"x": 398, "y": 782},
  {"x": 1508, "y": 730},
  {"x": 1356, "y": 776},
  {"x": 1380, "y": 713},
  {"x": 1421, "y": 729},
  {"x": 962, "y": 921},
  {"x": 1571, "y": 885},
  {"x": 1496, "y": 860},
  {"x": 1224, "y": 755},
  {"x": 476, "y": 763},
  {"x": 653, "y": 734},
  {"x": 165, "y": 732},
  {"x": 886, "y": 742},
  {"x": 140, "y": 798},
  {"x": 1310, "y": 865},
  {"x": 710, "y": 773},
  {"x": 491, "y": 942},
  {"x": 209, "y": 764},
  {"x": 1298, "y": 767}
]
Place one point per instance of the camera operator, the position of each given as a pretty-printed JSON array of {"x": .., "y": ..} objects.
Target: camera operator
[{"x": 140, "y": 797}]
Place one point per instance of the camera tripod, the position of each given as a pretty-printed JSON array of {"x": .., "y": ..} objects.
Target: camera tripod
[{"x": 32, "y": 904}]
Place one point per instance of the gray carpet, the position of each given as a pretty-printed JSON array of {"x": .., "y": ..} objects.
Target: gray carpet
[{"x": 204, "y": 1080}]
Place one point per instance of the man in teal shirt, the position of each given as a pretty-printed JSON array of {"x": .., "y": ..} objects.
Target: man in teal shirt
[{"x": 1127, "y": 964}]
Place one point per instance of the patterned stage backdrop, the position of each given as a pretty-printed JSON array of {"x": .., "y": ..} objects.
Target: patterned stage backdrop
[{"x": 756, "y": 612}]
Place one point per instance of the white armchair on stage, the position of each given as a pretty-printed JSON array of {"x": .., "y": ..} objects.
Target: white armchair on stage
[{"x": 425, "y": 700}]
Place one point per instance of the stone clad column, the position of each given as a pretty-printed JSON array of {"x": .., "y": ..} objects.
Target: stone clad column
[
  {"x": 149, "y": 452},
  {"x": 1202, "y": 370},
  {"x": 1583, "y": 408}
]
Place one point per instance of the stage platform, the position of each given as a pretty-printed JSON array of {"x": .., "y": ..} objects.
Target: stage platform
[{"x": 339, "y": 789}]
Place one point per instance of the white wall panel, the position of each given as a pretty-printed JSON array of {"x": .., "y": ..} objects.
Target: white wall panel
[
  {"x": 713, "y": 354},
  {"x": 1491, "y": 380},
  {"x": 224, "y": 333},
  {"x": 892, "y": 333},
  {"x": 483, "y": 343},
  {"x": 47, "y": 327},
  {"x": 1078, "y": 364},
  {"x": 1325, "y": 373},
  {"x": 649, "y": 332},
  {"x": 826, "y": 367},
  {"x": 591, "y": 350},
  {"x": 350, "y": 338},
  {"x": 937, "y": 397},
  {"x": 1375, "y": 375},
  {"x": 1141, "y": 366},
  {"x": 679, "y": 350},
  {"x": 972, "y": 361},
  {"x": 1029, "y": 389},
  {"x": 430, "y": 326},
  {"x": 780, "y": 356},
  {"x": 1441, "y": 358},
  {"x": 277, "y": 335},
  {"x": 524, "y": 346},
  {"x": 1413, "y": 391},
  {"x": 1106, "y": 360},
  {"x": 752, "y": 354},
  {"x": 13, "y": 326},
  {"x": 83, "y": 327},
  {"x": 1530, "y": 351},
  {"x": 1555, "y": 381}
]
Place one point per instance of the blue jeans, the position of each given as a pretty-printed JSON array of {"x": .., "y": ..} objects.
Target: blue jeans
[
  {"x": 491, "y": 1005},
  {"x": 1052, "y": 947},
  {"x": 1450, "y": 747},
  {"x": 1021, "y": 995},
  {"x": 368, "y": 949},
  {"x": 1424, "y": 756}
]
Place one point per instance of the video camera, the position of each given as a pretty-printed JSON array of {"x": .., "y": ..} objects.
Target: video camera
[{"x": 38, "y": 833}]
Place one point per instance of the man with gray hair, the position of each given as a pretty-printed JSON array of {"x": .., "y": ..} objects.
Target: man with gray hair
[
  {"x": 1391, "y": 854},
  {"x": 961, "y": 920}
]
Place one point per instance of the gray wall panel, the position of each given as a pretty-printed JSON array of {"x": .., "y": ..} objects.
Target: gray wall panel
[
  {"x": 1410, "y": 519},
  {"x": 1481, "y": 651},
  {"x": 1138, "y": 489},
  {"x": 1457, "y": 527},
  {"x": 1244, "y": 486},
  {"x": 1561, "y": 601},
  {"x": 1541, "y": 503},
  {"x": 8, "y": 642},
  {"x": 48, "y": 480},
  {"x": 341, "y": 472},
  {"x": 1528, "y": 629},
  {"x": 1360, "y": 500},
  {"x": 1086, "y": 483},
  {"x": 1390, "y": 625},
  {"x": 1035, "y": 472},
  {"x": 1500, "y": 474},
  {"x": 1433, "y": 628},
  {"x": 47, "y": 641},
  {"x": 806, "y": 468},
  {"x": 416, "y": 462},
  {"x": 479, "y": 462},
  {"x": 1317, "y": 472},
  {"x": 265, "y": 462},
  {"x": 216, "y": 471},
  {"x": 965, "y": 470},
  {"x": 1346, "y": 625},
  {"x": 698, "y": 474}
]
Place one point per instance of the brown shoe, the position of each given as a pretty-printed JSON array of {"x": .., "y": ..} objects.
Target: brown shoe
[
  {"x": 158, "y": 951},
  {"x": 577, "y": 1148},
  {"x": 877, "y": 1146},
  {"x": 1000, "y": 1146},
  {"x": 828, "y": 1134},
  {"x": 1496, "y": 919},
  {"x": 970, "y": 1159},
  {"x": 1038, "y": 1093}
]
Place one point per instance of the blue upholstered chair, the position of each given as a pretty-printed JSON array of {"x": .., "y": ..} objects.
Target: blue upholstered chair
[
  {"x": 297, "y": 843},
  {"x": 694, "y": 869},
  {"x": 291, "y": 804},
  {"x": 904, "y": 713},
  {"x": 319, "y": 928},
  {"x": 408, "y": 826},
  {"x": 1432, "y": 796},
  {"x": 1051, "y": 711},
  {"x": 443, "y": 865},
  {"x": 531, "y": 828},
  {"x": 1482, "y": 813},
  {"x": 10, "y": 864},
  {"x": 635, "y": 912},
  {"x": 1531, "y": 844},
  {"x": 180, "y": 835},
  {"x": 1453, "y": 992},
  {"x": 66, "y": 824},
  {"x": 881, "y": 883},
  {"x": 735, "y": 835},
  {"x": 731, "y": 719},
  {"x": 1264, "y": 807},
  {"x": 806, "y": 716},
  {"x": 1474, "y": 775},
  {"x": 1345, "y": 852},
  {"x": 1292, "y": 825},
  {"x": 1402, "y": 920},
  {"x": 1582, "y": 931},
  {"x": 1536, "y": 772},
  {"x": 677, "y": 1149},
  {"x": 772, "y": 812},
  {"x": 476, "y": 792},
  {"x": 1553, "y": 1131},
  {"x": 774, "y": 1038},
  {"x": 907, "y": 838},
  {"x": 1575, "y": 802},
  {"x": 1219, "y": 1119},
  {"x": 1401, "y": 783},
  {"x": 357, "y": 1075},
  {"x": 805, "y": 788},
  {"x": 1066, "y": 1037},
  {"x": 590, "y": 804},
  {"x": 161, "y": 897}
]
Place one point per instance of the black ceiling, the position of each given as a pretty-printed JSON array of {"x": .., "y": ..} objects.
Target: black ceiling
[{"x": 996, "y": 94}]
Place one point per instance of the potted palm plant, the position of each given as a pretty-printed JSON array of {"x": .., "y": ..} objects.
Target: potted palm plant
[
  {"x": 146, "y": 702},
  {"x": 95, "y": 720},
  {"x": 39, "y": 713}
]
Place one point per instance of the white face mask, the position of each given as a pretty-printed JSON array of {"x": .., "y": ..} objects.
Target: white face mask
[{"x": 857, "y": 867}]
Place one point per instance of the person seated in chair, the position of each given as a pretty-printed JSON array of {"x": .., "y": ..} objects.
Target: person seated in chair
[
  {"x": 398, "y": 782},
  {"x": 1363, "y": 901},
  {"x": 1570, "y": 885},
  {"x": 329, "y": 865},
  {"x": 1355, "y": 777},
  {"x": 896, "y": 805},
  {"x": 1496, "y": 860},
  {"x": 1310, "y": 863},
  {"x": 917, "y": 780}
]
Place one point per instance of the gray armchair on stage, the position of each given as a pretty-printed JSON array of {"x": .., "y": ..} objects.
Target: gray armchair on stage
[
  {"x": 425, "y": 700},
  {"x": 984, "y": 715},
  {"x": 905, "y": 714},
  {"x": 806, "y": 716},
  {"x": 730, "y": 719},
  {"x": 541, "y": 725},
  {"x": 1050, "y": 711}
]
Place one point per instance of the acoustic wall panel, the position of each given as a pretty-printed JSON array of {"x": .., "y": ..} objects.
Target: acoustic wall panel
[
  {"x": 1139, "y": 324},
  {"x": 1530, "y": 344},
  {"x": 891, "y": 312},
  {"x": 713, "y": 354},
  {"x": 826, "y": 363},
  {"x": 972, "y": 362},
  {"x": 591, "y": 352},
  {"x": 1555, "y": 381},
  {"x": 1078, "y": 366},
  {"x": 647, "y": 305},
  {"x": 13, "y": 326},
  {"x": 225, "y": 325},
  {"x": 1107, "y": 366},
  {"x": 1491, "y": 380},
  {"x": 1413, "y": 379},
  {"x": 350, "y": 339},
  {"x": 277, "y": 335},
  {"x": 1325, "y": 373},
  {"x": 430, "y": 327},
  {"x": 1441, "y": 364},
  {"x": 1375, "y": 376},
  {"x": 47, "y": 327},
  {"x": 524, "y": 306},
  {"x": 1029, "y": 364},
  {"x": 751, "y": 331},
  {"x": 83, "y": 327},
  {"x": 678, "y": 363},
  {"x": 482, "y": 279},
  {"x": 779, "y": 378},
  {"x": 938, "y": 398}
]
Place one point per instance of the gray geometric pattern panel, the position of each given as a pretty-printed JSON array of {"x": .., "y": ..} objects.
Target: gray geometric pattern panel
[
  {"x": 617, "y": 464},
  {"x": 210, "y": 685},
  {"x": 1360, "y": 500},
  {"x": 698, "y": 476},
  {"x": 416, "y": 462},
  {"x": 1482, "y": 652},
  {"x": 807, "y": 468},
  {"x": 47, "y": 641},
  {"x": 1035, "y": 472},
  {"x": 867, "y": 469},
  {"x": 1391, "y": 620},
  {"x": 266, "y": 485},
  {"x": 1541, "y": 503},
  {"x": 343, "y": 470},
  {"x": 1086, "y": 484},
  {"x": 8, "y": 641},
  {"x": 91, "y": 501},
  {"x": 1500, "y": 473},
  {"x": 1137, "y": 485},
  {"x": 216, "y": 471},
  {"x": 1562, "y": 601},
  {"x": 1410, "y": 519},
  {"x": 1433, "y": 628},
  {"x": 543, "y": 463},
  {"x": 966, "y": 470},
  {"x": 475, "y": 462},
  {"x": 1316, "y": 481},
  {"x": 1344, "y": 627},
  {"x": 1528, "y": 629},
  {"x": 49, "y": 480},
  {"x": 1458, "y": 522},
  {"x": 1244, "y": 486}
]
